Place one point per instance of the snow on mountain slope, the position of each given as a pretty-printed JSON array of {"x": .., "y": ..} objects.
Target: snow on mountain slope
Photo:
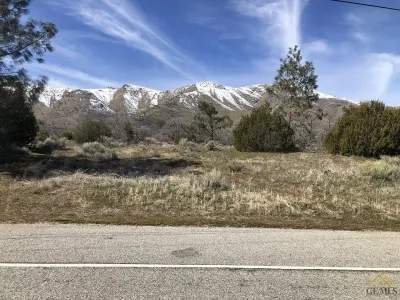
[
  {"x": 221, "y": 93},
  {"x": 56, "y": 94},
  {"x": 228, "y": 97},
  {"x": 104, "y": 95},
  {"x": 256, "y": 91},
  {"x": 134, "y": 94},
  {"x": 50, "y": 93},
  {"x": 132, "y": 97},
  {"x": 326, "y": 96}
]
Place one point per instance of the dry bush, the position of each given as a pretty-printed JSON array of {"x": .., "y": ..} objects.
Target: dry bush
[
  {"x": 210, "y": 146},
  {"x": 384, "y": 170},
  {"x": 151, "y": 141},
  {"x": 392, "y": 160},
  {"x": 236, "y": 166},
  {"x": 111, "y": 142},
  {"x": 98, "y": 150},
  {"x": 184, "y": 143}
]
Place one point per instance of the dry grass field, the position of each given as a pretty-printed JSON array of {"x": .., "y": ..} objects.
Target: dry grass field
[{"x": 188, "y": 185}]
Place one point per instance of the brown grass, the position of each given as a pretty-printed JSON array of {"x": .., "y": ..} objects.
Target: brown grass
[{"x": 172, "y": 185}]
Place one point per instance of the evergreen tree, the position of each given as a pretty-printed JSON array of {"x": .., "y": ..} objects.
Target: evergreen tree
[
  {"x": 369, "y": 130},
  {"x": 22, "y": 40},
  {"x": 18, "y": 124},
  {"x": 294, "y": 87},
  {"x": 264, "y": 130},
  {"x": 208, "y": 119}
]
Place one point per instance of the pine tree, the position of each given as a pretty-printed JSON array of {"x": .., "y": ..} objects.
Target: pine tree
[
  {"x": 22, "y": 40},
  {"x": 208, "y": 119},
  {"x": 295, "y": 86},
  {"x": 18, "y": 124}
]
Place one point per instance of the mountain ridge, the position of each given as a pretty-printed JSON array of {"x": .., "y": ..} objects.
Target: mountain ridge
[{"x": 133, "y": 98}]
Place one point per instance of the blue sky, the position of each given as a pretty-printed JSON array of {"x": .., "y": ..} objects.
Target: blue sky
[{"x": 165, "y": 44}]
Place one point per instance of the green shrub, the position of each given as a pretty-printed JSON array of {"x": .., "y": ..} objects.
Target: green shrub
[
  {"x": 263, "y": 130},
  {"x": 91, "y": 131},
  {"x": 41, "y": 134},
  {"x": 368, "y": 130}
]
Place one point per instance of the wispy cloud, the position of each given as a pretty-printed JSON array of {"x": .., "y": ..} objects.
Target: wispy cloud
[
  {"x": 357, "y": 28},
  {"x": 120, "y": 20},
  {"x": 128, "y": 12},
  {"x": 362, "y": 74},
  {"x": 359, "y": 77},
  {"x": 314, "y": 47},
  {"x": 67, "y": 51},
  {"x": 354, "y": 20},
  {"x": 281, "y": 20},
  {"x": 60, "y": 83},
  {"x": 75, "y": 75},
  {"x": 80, "y": 36},
  {"x": 360, "y": 36},
  {"x": 207, "y": 21}
]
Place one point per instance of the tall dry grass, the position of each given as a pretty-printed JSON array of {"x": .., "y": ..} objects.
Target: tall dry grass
[{"x": 224, "y": 185}]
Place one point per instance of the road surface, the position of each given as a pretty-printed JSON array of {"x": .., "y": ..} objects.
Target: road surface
[{"x": 49, "y": 261}]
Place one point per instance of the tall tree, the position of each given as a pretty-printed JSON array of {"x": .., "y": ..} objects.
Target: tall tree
[
  {"x": 295, "y": 83},
  {"x": 22, "y": 40},
  {"x": 18, "y": 124},
  {"x": 294, "y": 87},
  {"x": 208, "y": 119}
]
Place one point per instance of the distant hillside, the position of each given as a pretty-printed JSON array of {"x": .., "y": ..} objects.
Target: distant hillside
[
  {"x": 131, "y": 98},
  {"x": 61, "y": 109}
]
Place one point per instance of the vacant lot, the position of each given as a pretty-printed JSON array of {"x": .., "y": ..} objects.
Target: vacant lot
[{"x": 188, "y": 185}]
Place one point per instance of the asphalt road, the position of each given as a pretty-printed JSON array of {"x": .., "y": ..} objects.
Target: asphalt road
[{"x": 122, "y": 262}]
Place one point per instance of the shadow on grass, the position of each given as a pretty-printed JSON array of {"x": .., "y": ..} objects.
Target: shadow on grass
[{"x": 36, "y": 166}]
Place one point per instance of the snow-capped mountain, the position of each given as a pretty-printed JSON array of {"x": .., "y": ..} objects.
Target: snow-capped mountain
[
  {"x": 230, "y": 98},
  {"x": 132, "y": 98},
  {"x": 52, "y": 94}
]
